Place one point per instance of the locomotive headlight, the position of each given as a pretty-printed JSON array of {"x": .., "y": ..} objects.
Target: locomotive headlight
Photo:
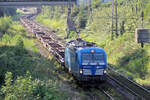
[
  {"x": 105, "y": 71},
  {"x": 81, "y": 71},
  {"x": 92, "y": 51}
]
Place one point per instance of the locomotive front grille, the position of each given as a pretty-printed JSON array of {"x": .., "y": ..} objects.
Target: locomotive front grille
[
  {"x": 87, "y": 72},
  {"x": 99, "y": 72}
]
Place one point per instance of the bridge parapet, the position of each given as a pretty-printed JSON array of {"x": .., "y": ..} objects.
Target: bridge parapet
[{"x": 5, "y": 3}]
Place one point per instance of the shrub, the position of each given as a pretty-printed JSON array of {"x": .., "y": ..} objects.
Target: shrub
[
  {"x": 21, "y": 88},
  {"x": 20, "y": 47},
  {"x": 25, "y": 88},
  {"x": 5, "y": 23}
]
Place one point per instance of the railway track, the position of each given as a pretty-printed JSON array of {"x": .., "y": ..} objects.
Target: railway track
[
  {"x": 94, "y": 95},
  {"x": 50, "y": 41},
  {"x": 47, "y": 37},
  {"x": 110, "y": 97},
  {"x": 127, "y": 87}
]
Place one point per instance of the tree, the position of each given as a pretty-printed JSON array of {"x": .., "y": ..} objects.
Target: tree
[{"x": 22, "y": 88}]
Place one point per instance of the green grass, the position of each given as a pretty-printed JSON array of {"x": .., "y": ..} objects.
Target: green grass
[
  {"x": 18, "y": 54},
  {"x": 55, "y": 22},
  {"x": 17, "y": 31}
]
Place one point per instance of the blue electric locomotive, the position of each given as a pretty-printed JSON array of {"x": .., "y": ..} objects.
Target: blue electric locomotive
[{"x": 85, "y": 61}]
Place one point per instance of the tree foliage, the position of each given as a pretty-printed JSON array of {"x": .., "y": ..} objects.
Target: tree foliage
[
  {"x": 25, "y": 88},
  {"x": 5, "y": 23},
  {"x": 21, "y": 88},
  {"x": 20, "y": 47},
  {"x": 7, "y": 11},
  {"x": 147, "y": 10}
]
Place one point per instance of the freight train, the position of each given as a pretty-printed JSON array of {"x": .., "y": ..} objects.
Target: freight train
[{"x": 85, "y": 61}]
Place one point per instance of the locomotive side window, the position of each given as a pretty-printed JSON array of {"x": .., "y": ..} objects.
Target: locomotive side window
[{"x": 93, "y": 59}]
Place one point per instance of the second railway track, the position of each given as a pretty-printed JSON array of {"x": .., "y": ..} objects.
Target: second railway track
[{"x": 127, "y": 87}]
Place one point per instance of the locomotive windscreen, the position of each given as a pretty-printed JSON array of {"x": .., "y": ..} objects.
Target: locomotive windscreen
[{"x": 93, "y": 59}]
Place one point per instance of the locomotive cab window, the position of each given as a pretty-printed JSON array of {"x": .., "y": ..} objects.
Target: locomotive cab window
[{"x": 93, "y": 59}]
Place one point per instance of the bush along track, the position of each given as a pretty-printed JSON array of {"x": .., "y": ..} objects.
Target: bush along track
[{"x": 24, "y": 72}]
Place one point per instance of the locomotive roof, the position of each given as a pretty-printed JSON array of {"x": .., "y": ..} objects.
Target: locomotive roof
[{"x": 80, "y": 43}]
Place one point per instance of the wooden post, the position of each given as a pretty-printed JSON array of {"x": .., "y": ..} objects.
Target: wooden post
[{"x": 142, "y": 16}]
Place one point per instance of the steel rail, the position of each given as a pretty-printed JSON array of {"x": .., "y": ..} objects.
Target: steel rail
[
  {"x": 126, "y": 91},
  {"x": 106, "y": 94},
  {"x": 131, "y": 84}
]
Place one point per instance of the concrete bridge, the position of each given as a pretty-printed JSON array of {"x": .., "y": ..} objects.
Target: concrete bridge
[{"x": 9, "y": 3}]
